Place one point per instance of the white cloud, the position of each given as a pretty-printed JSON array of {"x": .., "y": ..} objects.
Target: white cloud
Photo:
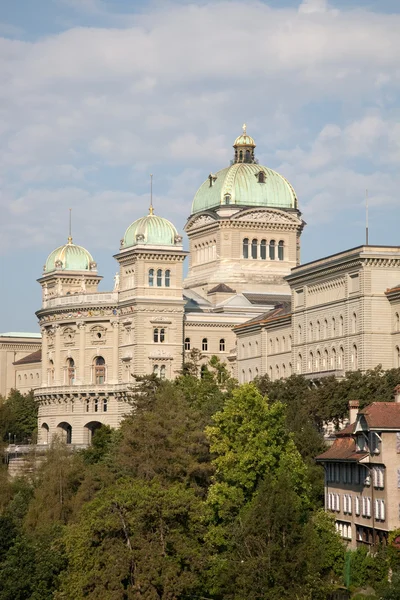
[{"x": 167, "y": 90}]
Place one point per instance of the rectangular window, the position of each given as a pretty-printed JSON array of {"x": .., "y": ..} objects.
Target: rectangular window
[{"x": 357, "y": 505}]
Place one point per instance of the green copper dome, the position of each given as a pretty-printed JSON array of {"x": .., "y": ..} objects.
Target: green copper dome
[
  {"x": 245, "y": 183},
  {"x": 151, "y": 230},
  {"x": 70, "y": 257}
]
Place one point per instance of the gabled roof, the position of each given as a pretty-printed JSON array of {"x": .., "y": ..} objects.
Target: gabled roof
[
  {"x": 34, "y": 357},
  {"x": 278, "y": 312},
  {"x": 271, "y": 299},
  {"x": 222, "y": 288},
  {"x": 382, "y": 415},
  {"x": 343, "y": 448}
]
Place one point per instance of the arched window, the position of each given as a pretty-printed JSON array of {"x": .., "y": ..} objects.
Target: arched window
[
  {"x": 318, "y": 330},
  {"x": 277, "y": 372},
  {"x": 271, "y": 346},
  {"x": 281, "y": 250},
  {"x": 87, "y": 405},
  {"x": 105, "y": 404},
  {"x": 311, "y": 362},
  {"x": 333, "y": 326},
  {"x": 325, "y": 329},
  {"x": 272, "y": 250},
  {"x": 397, "y": 357},
  {"x": 204, "y": 345},
  {"x": 227, "y": 199},
  {"x": 162, "y": 335},
  {"x": 155, "y": 335},
  {"x": 203, "y": 371},
  {"x": 271, "y": 376},
  {"x": 187, "y": 343},
  {"x": 99, "y": 370},
  {"x": 354, "y": 357},
  {"x": 318, "y": 361},
  {"x": 151, "y": 277},
  {"x": 263, "y": 249},
  {"x": 299, "y": 333},
  {"x": 241, "y": 156},
  {"x": 333, "y": 359},
  {"x": 354, "y": 323},
  {"x": 284, "y": 371},
  {"x": 246, "y": 248},
  {"x": 341, "y": 325},
  {"x": 70, "y": 371},
  {"x": 254, "y": 245},
  {"x": 326, "y": 360},
  {"x": 290, "y": 369},
  {"x": 261, "y": 177},
  {"x": 250, "y": 375},
  {"x": 283, "y": 344},
  {"x": 51, "y": 372},
  {"x": 159, "y": 277},
  {"x": 162, "y": 372},
  {"x": 299, "y": 363},
  {"x": 96, "y": 405},
  {"x": 289, "y": 342},
  {"x": 396, "y": 322},
  {"x": 256, "y": 372},
  {"x": 277, "y": 348},
  {"x": 156, "y": 370},
  {"x": 167, "y": 279},
  {"x": 310, "y": 331},
  {"x": 341, "y": 358},
  {"x": 222, "y": 345}
]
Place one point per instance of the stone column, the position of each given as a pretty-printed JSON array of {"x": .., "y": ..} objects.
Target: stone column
[
  {"x": 81, "y": 366},
  {"x": 115, "y": 352},
  {"x": 45, "y": 361},
  {"x": 57, "y": 357}
]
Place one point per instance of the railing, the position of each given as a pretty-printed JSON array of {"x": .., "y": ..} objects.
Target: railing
[
  {"x": 79, "y": 299},
  {"x": 92, "y": 388}
]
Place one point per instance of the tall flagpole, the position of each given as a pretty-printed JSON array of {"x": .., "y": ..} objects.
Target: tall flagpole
[
  {"x": 151, "y": 210},
  {"x": 366, "y": 217},
  {"x": 70, "y": 226}
]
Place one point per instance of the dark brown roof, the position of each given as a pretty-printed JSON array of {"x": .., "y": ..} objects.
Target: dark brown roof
[
  {"x": 222, "y": 287},
  {"x": 35, "y": 357},
  {"x": 382, "y": 415},
  {"x": 271, "y": 299},
  {"x": 343, "y": 448},
  {"x": 278, "y": 312}
]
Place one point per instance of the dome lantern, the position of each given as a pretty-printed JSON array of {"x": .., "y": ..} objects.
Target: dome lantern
[{"x": 244, "y": 148}]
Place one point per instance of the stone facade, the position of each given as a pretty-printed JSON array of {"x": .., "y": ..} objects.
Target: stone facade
[
  {"x": 14, "y": 347},
  {"x": 343, "y": 317}
]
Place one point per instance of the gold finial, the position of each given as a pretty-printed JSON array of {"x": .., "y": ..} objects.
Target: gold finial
[
  {"x": 244, "y": 128},
  {"x": 70, "y": 227},
  {"x": 151, "y": 209}
]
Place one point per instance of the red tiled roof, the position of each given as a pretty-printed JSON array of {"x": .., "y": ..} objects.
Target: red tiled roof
[
  {"x": 343, "y": 448},
  {"x": 34, "y": 357},
  {"x": 382, "y": 415}
]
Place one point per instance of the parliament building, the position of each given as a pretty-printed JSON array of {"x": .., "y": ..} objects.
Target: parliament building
[{"x": 246, "y": 299}]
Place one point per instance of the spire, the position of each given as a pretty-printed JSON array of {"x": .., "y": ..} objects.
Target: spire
[
  {"x": 151, "y": 209},
  {"x": 244, "y": 147},
  {"x": 244, "y": 128},
  {"x": 70, "y": 227}
]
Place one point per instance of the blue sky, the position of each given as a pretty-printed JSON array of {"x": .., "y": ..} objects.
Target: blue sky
[{"x": 97, "y": 94}]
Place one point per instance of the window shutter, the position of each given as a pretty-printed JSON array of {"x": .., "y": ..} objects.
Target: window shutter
[
  {"x": 398, "y": 442},
  {"x": 350, "y": 503},
  {"x": 368, "y": 507},
  {"x": 357, "y": 474},
  {"x": 357, "y": 505},
  {"x": 376, "y": 509},
  {"x": 382, "y": 510}
]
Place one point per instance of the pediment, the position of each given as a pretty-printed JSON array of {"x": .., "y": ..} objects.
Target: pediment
[
  {"x": 267, "y": 216},
  {"x": 200, "y": 221}
]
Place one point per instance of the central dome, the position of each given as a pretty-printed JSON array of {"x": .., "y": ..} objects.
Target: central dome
[{"x": 245, "y": 183}]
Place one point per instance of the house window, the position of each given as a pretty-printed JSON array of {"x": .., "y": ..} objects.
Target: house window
[
  {"x": 96, "y": 405},
  {"x": 341, "y": 325},
  {"x": 156, "y": 370},
  {"x": 99, "y": 370},
  {"x": 222, "y": 345},
  {"x": 227, "y": 199},
  {"x": 167, "y": 278},
  {"x": 263, "y": 250},
  {"x": 162, "y": 335},
  {"x": 272, "y": 250},
  {"x": 354, "y": 323},
  {"x": 261, "y": 177},
  {"x": 204, "y": 345},
  {"x": 397, "y": 322},
  {"x": 325, "y": 329},
  {"x": 105, "y": 405},
  {"x": 254, "y": 245},
  {"x": 187, "y": 343},
  {"x": 299, "y": 363},
  {"x": 151, "y": 277},
  {"x": 70, "y": 371},
  {"x": 299, "y": 334},
  {"x": 354, "y": 357},
  {"x": 397, "y": 350},
  {"x": 87, "y": 405},
  {"x": 159, "y": 277},
  {"x": 280, "y": 250},
  {"x": 156, "y": 335},
  {"x": 333, "y": 326},
  {"x": 162, "y": 372},
  {"x": 246, "y": 248}
]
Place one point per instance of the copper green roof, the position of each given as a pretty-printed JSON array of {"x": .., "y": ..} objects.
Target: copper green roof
[
  {"x": 151, "y": 230},
  {"x": 69, "y": 257},
  {"x": 239, "y": 185}
]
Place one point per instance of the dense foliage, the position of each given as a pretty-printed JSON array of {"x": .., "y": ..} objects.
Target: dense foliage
[
  {"x": 18, "y": 418},
  {"x": 208, "y": 491}
]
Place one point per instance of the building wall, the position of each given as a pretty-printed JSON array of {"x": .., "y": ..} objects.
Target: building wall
[{"x": 11, "y": 350}]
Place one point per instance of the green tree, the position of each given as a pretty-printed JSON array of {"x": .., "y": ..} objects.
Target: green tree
[
  {"x": 18, "y": 417},
  {"x": 136, "y": 540}
]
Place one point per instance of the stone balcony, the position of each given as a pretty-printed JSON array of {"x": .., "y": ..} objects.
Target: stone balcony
[
  {"x": 100, "y": 298},
  {"x": 338, "y": 373},
  {"x": 77, "y": 391}
]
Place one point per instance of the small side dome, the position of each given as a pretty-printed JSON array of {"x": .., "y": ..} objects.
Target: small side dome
[
  {"x": 244, "y": 139},
  {"x": 70, "y": 257},
  {"x": 151, "y": 230}
]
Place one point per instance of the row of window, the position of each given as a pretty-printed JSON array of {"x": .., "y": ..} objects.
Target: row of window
[
  {"x": 160, "y": 278},
  {"x": 159, "y": 371},
  {"x": 343, "y": 529},
  {"x": 96, "y": 405},
  {"x": 205, "y": 252},
  {"x": 204, "y": 344},
  {"x": 350, "y": 473},
  {"x": 362, "y": 505},
  {"x": 323, "y": 361},
  {"x": 321, "y": 330},
  {"x": 280, "y": 345},
  {"x": 31, "y": 377},
  {"x": 98, "y": 370},
  {"x": 255, "y": 250},
  {"x": 280, "y": 371}
]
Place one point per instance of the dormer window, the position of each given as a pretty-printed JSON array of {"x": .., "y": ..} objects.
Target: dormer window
[
  {"x": 361, "y": 443},
  {"x": 227, "y": 199},
  {"x": 261, "y": 177},
  {"x": 212, "y": 179}
]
